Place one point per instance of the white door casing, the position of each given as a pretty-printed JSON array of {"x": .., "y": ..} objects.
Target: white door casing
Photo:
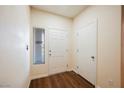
[
  {"x": 58, "y": 40},
  {"x": 87, "y": 37}
]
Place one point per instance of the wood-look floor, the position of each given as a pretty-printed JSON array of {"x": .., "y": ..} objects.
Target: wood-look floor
[{"x": 61, "y": 80}]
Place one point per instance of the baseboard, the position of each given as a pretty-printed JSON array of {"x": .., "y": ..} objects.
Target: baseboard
[
  {"x": 74, "y": 70},
  {"x": 28, "y": 84},
  {"x": 97, "y": 86},
  {"x": 36, "y": 76},
  {"x": 69, "y": 69}
]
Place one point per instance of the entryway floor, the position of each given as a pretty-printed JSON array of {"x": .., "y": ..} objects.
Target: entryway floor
[{"x": 62, "y": 80}]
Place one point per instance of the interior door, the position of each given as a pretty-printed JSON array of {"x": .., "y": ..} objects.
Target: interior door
[
  {"x": 14, "y": 41},
  {"x": 87, "y": 51},
  {"x": 57, "y": 51}
]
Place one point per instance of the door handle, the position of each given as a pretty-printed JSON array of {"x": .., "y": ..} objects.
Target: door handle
[
  {"x": 92, "y": 57},
  {"x": 27, "y": 47},
  {"x": 50, "y": 53}
]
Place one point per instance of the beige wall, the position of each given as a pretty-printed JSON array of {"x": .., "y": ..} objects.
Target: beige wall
[
  {"x": 109, "y": 33},
  {"x": 109, "y": 41},
  {"x": 14, "y": 32},
  {"x": 14, "y": 23},
  {"x": 46, "y": 20}
]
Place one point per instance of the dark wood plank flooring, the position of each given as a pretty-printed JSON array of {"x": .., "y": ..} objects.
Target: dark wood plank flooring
[{"x": 62, "y": 80}]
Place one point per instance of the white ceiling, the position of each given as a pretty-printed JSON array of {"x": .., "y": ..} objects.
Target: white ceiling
[{"x": 64, "y": 10}]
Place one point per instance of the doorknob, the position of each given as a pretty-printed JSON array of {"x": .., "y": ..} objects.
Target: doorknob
[
  {"x": 92, "y": 57},
  {"x": 50, "y": 53},
  {"x": 27, "y": 47}
]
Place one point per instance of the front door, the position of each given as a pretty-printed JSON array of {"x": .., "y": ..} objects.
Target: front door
[{"x": 57, "y": 51}]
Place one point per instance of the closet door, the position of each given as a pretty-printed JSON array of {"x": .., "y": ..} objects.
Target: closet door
[{"x": 87, "y": 51}]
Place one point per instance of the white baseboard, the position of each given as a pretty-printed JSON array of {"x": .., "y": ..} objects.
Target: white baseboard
[
  {"x": 75, "y": 71},
  {"x": 27, "y": 84},
  {"x": 35, "y": 76},
  {"x": 69, "y": 69},
  {"x": 97, "y": 86}
]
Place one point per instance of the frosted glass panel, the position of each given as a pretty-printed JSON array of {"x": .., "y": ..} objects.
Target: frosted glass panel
[{"x": 39, "y": 46}]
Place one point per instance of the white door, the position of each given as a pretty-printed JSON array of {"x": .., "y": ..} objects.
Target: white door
[
  {"x": 57, "y": 51},
  {"x": 87, "y": 51},
  {"x": 14, "y": 41}
]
